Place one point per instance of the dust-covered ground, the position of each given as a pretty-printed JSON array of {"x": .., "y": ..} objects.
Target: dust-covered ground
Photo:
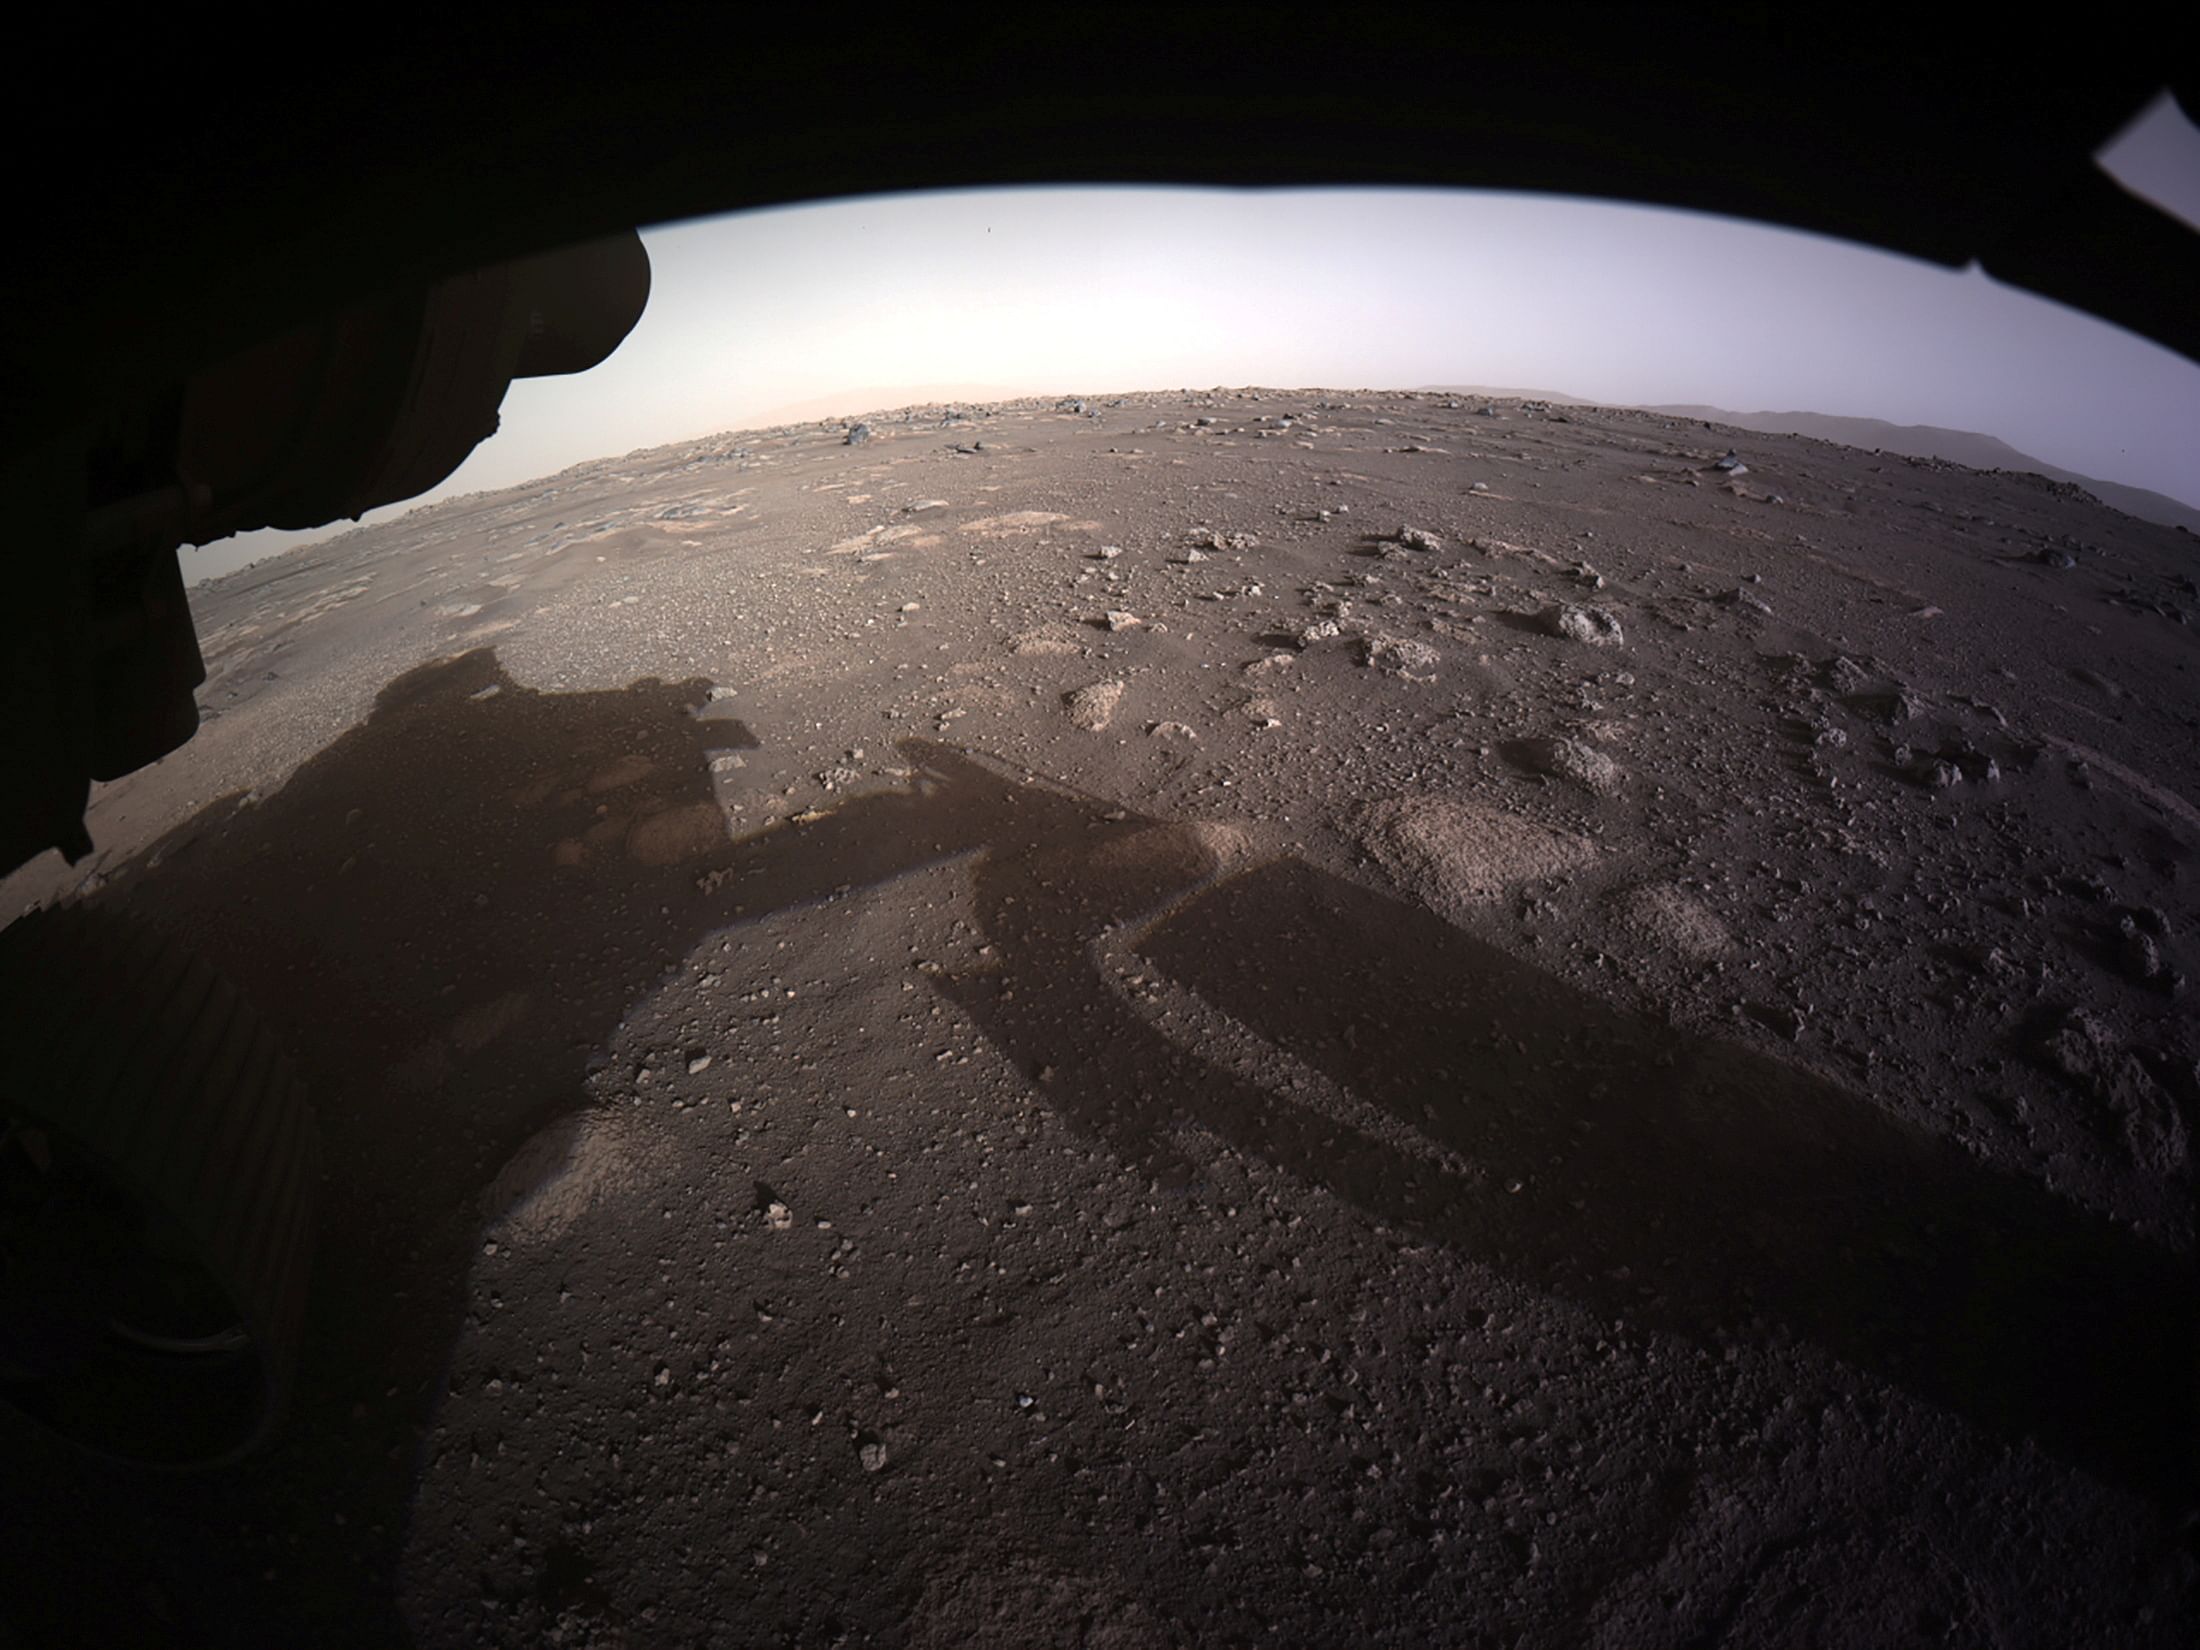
[{"x": 1256, "y": 1017}]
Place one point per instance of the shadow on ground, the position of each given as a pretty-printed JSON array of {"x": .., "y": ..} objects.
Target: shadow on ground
[
  {"x": 1645, "y": 1173},
  {"x": 453, "y": 906},
  {"x": 446, "y": 913}
]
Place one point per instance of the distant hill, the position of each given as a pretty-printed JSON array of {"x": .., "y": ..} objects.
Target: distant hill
[
  {"x": 1980, "y": 452},
  {"x": 875, "y": 398},
  {"x": 1498, "y": 392}
]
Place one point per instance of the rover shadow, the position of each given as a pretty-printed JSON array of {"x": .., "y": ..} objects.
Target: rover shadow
[
  {"x": 1652, "y": 1175},
  {"x": 445, "y": 913}
]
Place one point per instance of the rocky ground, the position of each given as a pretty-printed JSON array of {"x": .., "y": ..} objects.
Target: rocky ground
[{"x": 1255, "y": 1017}]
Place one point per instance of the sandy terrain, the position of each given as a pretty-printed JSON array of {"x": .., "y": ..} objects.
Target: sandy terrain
[{"x": 1285, "y": 1018}]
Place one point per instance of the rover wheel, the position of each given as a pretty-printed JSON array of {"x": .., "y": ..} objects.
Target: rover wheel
[{"x": 157, "y": 1166}]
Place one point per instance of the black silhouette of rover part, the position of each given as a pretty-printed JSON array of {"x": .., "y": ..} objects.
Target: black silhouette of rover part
[{"x": 157, "y": 1179}]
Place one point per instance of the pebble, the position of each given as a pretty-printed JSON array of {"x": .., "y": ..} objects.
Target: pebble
[{"x": 1415, "y": 661}]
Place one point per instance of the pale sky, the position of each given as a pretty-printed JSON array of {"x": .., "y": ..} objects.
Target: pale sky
[{"x": 1093, "y": 291}]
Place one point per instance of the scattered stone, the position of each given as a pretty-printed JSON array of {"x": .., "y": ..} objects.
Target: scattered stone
[
  {"x": 1582, "y": 624},
  {"x": 1210, "y": 538},
  {"x": 870, "y": 1451},
  {"x": 1091, "y": 707},
  {"x": 1935, "y": 773},
  {"x": 698, "y": 1064},
  {"x": 1732, "y": 465},
  {"x": 1415, "y": 538},
  {"x": 1107, "y": 552},
  {"x": 1189, "y": 557},
  {"x": 1741, "y": 598},
  {"x": 1896, "y": 705},
  {"x": 1170, "y": 730},
  {"x": 1569, "y": 760},
  {"x": 857, "y": 435},
  {"x": 1415, "y": 661},
  {"x": 1117, "y": 619},
  {"x": 1317, "y": 630},
  {"x": 1844, "y": 674},
  {"x": 778, "y": 1216}
]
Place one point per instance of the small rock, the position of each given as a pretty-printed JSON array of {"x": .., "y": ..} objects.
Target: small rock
[
  {"x": 1190, "y": 556},
  {"x": 1415, "y": 538},
  {"x": 871, "y": 1452},
  {"x": 1569, "y": 760},
  {"x": 698, "y": 1064},
  {"x": 1319, "y": 630},
  {"x": 1743, "y": 599},
  {"x": 1415, "y": 661},
  {"x": 1107, "y": 552},
  {"x": 1935, "y": 773},
  {"x": 1091, "y": 707},
  {"x": 1170, "y": 730},
  {"x": 1119, "y": 620},
  {"x": 778, "y": 1216},
  {"x": 857, "y": 435},
  {"x": 1582, "y": 624},
  {"x": 1732, "y": 465},
  {"x": 2138, "y": 957},
  {"x": 1213, "y": 539},
  {"x": 1844, "y": 674}
]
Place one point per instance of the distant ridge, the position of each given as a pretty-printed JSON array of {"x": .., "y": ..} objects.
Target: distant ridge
[
  {"x": 1966, "y": 447},
  {"x": 1980, "y": 452}
]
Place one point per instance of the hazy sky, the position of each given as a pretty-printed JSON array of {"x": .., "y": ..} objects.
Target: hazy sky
[{"x": 1088, "y": 291}]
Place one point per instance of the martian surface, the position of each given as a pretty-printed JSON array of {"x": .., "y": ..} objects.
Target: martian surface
[{"x": 1244, "y": 1017}]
